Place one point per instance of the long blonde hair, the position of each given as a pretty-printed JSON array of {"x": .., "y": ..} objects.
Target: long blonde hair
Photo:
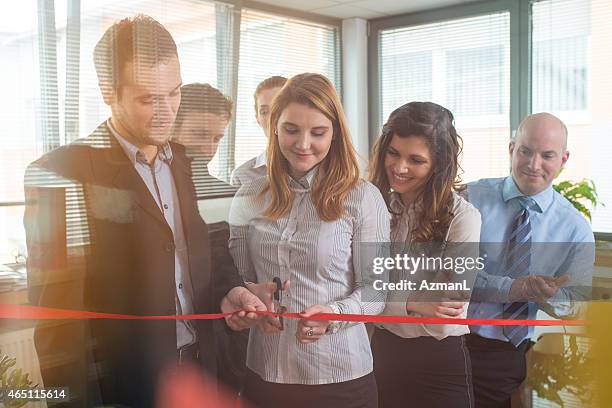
[{"x": 338, "y": 172}]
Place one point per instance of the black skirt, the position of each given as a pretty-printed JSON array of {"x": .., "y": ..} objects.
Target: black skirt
[
  {"x": 422, "y": 372},
  {"x": 358, "y": 393}
]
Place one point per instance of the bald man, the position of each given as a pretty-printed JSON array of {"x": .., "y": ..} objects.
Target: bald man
[{"x": 539, "y": 255}]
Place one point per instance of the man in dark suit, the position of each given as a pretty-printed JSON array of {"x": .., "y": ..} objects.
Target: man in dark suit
[{"x": 113, "y": 226}]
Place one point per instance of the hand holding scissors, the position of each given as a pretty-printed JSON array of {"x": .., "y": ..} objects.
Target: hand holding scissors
[{"x": 271, "y": 294}]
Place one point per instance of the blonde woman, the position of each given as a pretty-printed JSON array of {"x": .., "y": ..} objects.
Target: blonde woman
[{"x": 306, "y": 223}]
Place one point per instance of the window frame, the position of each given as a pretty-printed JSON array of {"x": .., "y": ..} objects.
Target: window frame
[
  {"x": 518, "y": 87},
  {"x": 520, "y": 56},
  {"x": 48, "y": 63},
  {"x": 64, "y": 128},
  {"x": 307, "y": 17}
]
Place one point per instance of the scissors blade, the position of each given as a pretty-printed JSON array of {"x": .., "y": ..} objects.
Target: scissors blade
[{"x": 278, "y": 296}]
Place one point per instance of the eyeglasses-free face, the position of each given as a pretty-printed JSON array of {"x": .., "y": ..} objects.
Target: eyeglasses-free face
[
  {"x": 408, "y": 165},
  {"x": 304, "y": 136},
  {"x": 264, "y": 102}
]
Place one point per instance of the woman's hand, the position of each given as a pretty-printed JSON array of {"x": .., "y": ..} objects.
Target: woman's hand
[
  {"x": 309, "y": 331},
  {"x": 441, "y": 308}
]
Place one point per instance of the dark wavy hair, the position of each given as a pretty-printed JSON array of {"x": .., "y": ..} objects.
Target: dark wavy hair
[{"x": 435, "y": 124}]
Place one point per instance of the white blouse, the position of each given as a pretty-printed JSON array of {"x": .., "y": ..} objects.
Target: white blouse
[
  {"x": 326, "y": 265},
  {"x": 464, "y": 228}
]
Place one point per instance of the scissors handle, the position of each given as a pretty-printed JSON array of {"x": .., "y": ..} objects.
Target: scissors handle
[{"x": 279, "y": 288}]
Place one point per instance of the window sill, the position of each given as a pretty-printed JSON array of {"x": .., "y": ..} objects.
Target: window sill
[{"x": 14, "y": 297}]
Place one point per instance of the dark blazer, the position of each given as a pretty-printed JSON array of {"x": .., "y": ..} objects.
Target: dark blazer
[{"x": 122, "y": 262}]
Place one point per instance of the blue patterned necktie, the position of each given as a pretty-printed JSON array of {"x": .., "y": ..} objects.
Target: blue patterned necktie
[{"x": 518, "y": 260}]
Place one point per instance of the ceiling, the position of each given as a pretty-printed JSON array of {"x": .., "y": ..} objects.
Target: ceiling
[{"x": 367, "y": 9}]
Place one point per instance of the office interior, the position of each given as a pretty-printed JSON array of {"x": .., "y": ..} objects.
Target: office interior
[{"x": 490, "y": 62}]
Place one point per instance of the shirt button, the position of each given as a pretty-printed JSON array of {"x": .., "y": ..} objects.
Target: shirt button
[
  {"x": 169, "y": 247},
  {"x": 166, "y": 206},
  {"x": 180, "y": 286}
]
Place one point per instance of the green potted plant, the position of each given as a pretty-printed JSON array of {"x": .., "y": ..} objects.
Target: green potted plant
[
  {"x": 558, "y": 366},
  {"x": 15, "y": 379},
  {"x": 582, "y": 194},
  {"x": 555, "y": 367}
]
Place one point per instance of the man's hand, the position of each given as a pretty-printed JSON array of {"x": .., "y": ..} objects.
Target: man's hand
[
  {"x": 265, "y": 292},
  {"x": 442, "y": 308},
  {"x": 535, "y": 288},
  {"x": 309, "y": 331},
  {"x": 241, "y": 303}
]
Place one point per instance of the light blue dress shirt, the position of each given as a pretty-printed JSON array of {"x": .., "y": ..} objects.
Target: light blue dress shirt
[{"x": 562, "y": 243}]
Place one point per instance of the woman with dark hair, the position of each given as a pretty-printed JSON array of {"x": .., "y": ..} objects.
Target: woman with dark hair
[
  {"x": 306, "y": 223},
  {"x": 415, "y": 165}
]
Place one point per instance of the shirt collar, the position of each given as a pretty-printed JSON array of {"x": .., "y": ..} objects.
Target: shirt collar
[
  {"x": 135, "y": 155},
  {"x": 543, "y": 199},
  {"x": 397, "y": 206},
  {"x": 304, "y": 183},
  {"x": 260, "y": 160}
]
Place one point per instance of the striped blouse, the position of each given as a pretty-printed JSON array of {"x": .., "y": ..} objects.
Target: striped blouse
[{"x": 325, "y": 263}]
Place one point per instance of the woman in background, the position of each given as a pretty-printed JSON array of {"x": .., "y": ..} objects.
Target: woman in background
[
  {"x": 264, "y": 95},
  {"x": 305, "y": 223},
  {"x": 415, "y": 165}
]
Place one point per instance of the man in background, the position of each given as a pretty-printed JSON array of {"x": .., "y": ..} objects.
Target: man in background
[
  {"x": 200, "y": 124},
  {"x": 539, "y": 255},
  {"x": 201, "y": 120}
]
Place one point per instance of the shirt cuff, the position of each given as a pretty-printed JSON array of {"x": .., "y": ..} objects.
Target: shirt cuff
[
  {"x": 397, "y": 309},
  {"x": 333, "y": 326},
  {"x": 496, "y": 289}
]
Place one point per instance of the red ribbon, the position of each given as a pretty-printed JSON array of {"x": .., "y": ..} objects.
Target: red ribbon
[{"x": 45, "y": 313}]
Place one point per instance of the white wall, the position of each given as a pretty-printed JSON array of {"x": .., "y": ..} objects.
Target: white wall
[
  {"x": 355, "y": 82},
  {"x": 215, "y": 210}
]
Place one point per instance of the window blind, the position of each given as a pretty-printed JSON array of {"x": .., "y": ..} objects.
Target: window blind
[
  {"x": 463, "y": 65},
  {"x": 204, "y": 44},
  {"x": 570, "y": 79},
  {"x": 20, "y": 133},
  {"x": 56, "y": 98},
  {"x": 21, "y": 83},
  {"x": 276, "y": 45}
]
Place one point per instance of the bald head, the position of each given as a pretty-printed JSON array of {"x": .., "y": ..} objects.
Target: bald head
[
  {"x": 538, "y": 152},
  {"x": 544, "y": 124}
]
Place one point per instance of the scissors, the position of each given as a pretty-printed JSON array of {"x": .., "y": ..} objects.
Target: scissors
[{"x": 278, "y": 296}]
